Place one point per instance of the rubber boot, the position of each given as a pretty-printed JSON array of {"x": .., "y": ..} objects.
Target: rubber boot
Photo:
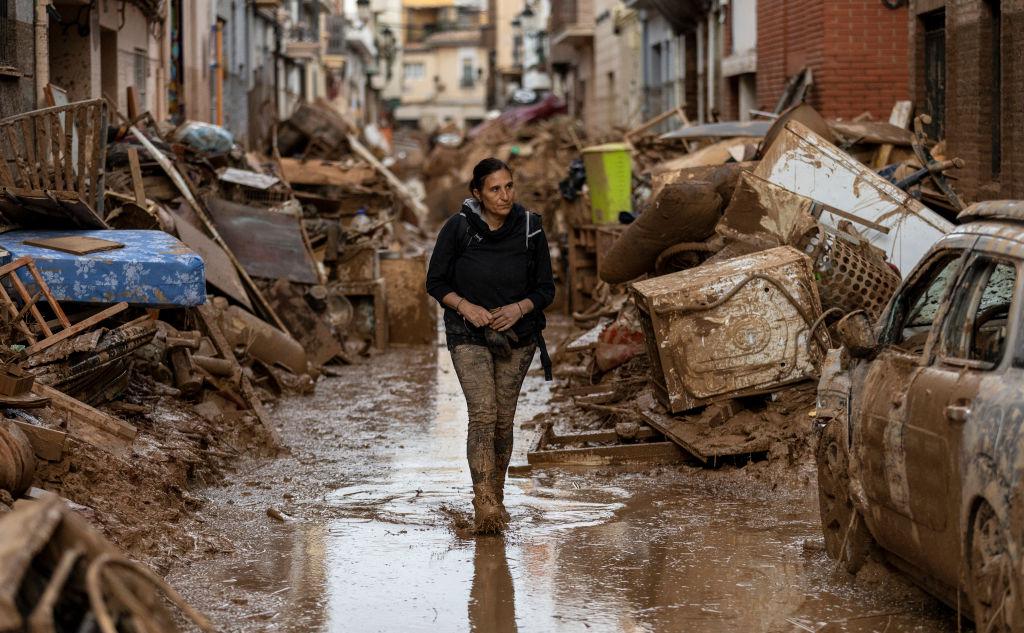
[
  {"x": 486, "y": 510},
  {"x": 499, "y": 496}
]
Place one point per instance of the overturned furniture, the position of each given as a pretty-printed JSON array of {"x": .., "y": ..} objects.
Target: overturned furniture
[
  {"x": 744, "y": 326},
  {"x": 601, "y": 448},
  {"x": 51, "y": 165}
]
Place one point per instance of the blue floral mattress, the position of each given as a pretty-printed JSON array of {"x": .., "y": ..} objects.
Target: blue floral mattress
[{"x": 153, "y": 268}]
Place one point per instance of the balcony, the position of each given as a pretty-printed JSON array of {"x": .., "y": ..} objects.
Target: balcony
[
  {"x": 572, "y": 23},
  {"x": 302, "y": 42}
]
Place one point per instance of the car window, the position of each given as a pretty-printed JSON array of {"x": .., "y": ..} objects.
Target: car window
[
  {"x": 976, "y": 326},
  {"x": 916, "y": 307}
]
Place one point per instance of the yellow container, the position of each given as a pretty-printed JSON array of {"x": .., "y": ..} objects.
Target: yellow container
[{"x": 610, "y": 180}]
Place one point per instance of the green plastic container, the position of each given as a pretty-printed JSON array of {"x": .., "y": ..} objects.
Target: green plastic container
[{"x": 610, "y": 179}]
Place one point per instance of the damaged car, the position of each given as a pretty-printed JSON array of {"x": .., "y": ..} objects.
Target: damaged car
[{"x": 920, "y": 455}]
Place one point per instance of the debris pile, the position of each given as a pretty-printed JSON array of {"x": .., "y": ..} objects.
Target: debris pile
[
  {"x": 158, "y": 287},
  {"x": 749, "y": 242}
]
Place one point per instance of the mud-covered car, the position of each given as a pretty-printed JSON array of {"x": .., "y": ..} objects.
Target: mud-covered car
[{"x": 920, "y": 455}]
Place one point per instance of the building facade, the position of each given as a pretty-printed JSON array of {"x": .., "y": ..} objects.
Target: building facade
[
  {"x": 444, "y": 65},
  {"x": 968, "y": 74}
]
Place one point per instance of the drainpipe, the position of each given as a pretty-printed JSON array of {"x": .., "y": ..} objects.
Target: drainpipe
[
  {"x": 42, "y": 70},
  {"x": 712, "y": 58}
]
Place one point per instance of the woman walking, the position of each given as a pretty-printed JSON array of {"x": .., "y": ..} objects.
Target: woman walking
[{"x": 491, "y": 272}]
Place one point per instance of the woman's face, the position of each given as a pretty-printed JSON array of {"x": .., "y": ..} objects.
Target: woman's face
[{"x": 498, "y": 193}]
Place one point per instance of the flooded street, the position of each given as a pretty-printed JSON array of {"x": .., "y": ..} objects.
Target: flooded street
[{"x": 375, "y": 490}]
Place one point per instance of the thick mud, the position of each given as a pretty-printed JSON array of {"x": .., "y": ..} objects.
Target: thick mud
[{"x": 361, "y": 528}]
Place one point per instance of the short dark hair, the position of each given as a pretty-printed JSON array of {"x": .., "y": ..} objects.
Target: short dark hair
[{"x": 485, "y": 168}]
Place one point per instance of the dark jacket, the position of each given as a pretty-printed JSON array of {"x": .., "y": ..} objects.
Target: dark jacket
[{"x": 491, "y": 269}]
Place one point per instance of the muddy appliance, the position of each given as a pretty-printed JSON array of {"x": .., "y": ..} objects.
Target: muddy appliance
[{"x": 740, "y": 327}]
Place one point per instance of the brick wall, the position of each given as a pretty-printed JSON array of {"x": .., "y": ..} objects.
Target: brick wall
[
  {"x": 857, "y": 49},
  {"x": 970, "y": 104}
]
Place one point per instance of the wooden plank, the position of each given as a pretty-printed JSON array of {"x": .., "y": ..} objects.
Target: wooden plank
[
  {"x": 55, "y": 306},
  {"x": 323, "y": 172},
  {"x": 96, "y": 173},
  {"x": 79, "y": 115},
  {"x": 78, "y": 410},
  {"x": 19, "y": 159},
  {"x": 30, "y": 152},
  {"x": 901, "y": 115},
  {"x": 5, "y": 175},
  {"x": 599, "y": 437},
  {"x": 13, "y": 310},
  {"x": 673, "y": 429},
  {"x": 75, "y": 244},
  {"x": 33, "y": 308},
  {"x": 67, "y": 148},
  {"x": 42, "y": 149},
  {"x": 136, "y": 171},
  {"x": 657, "y": 452},
  {"x": 132, "y": 99},
  {"x": 415, "y": 205},
  {"x": 47, "y": 443},
  {"x": 77, "y": 328},
  {"x": 56, "y": 136}
]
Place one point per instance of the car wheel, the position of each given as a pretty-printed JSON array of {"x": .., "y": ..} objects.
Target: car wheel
[
  {"x": 992, "y": 596},
  {"x": 847, "y": 539}
]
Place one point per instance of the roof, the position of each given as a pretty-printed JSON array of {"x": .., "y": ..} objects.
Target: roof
[{"x": 994, "y": 210}]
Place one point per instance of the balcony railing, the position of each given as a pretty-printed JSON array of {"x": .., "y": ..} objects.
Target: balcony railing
[{"x": 304, "y": 33}]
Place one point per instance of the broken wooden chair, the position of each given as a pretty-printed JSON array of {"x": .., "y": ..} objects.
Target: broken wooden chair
[{"x": 37, "y": 331}]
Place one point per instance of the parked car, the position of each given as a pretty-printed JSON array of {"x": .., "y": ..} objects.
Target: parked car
[{"x": 921, "y": 452}]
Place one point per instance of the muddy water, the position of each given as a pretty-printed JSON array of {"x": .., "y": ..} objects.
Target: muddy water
[{"x": 374, "y": 490}]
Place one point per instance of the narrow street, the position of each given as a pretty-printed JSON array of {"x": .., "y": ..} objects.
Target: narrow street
[{"x": 376, "y": 490}]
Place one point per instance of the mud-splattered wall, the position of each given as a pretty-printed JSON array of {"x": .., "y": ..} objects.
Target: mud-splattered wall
[
  {"x": 75, "y": 52},
  {"x": 17, "y": 88}
]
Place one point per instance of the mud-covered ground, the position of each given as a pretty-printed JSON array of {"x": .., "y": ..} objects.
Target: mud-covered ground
[{"x": 358, "y": 529}]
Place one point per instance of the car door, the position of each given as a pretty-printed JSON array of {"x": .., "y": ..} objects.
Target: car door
[
  {"x": 880, "y": 392},
  {"x": 971, "y": 344}
]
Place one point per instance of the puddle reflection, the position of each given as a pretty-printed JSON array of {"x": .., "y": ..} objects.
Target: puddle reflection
[{"x": 492, "y": 600}]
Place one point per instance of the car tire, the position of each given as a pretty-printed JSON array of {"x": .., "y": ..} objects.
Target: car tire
[
  {"x": 995, "y": 606},
  {"x": 847, "y": 539}
]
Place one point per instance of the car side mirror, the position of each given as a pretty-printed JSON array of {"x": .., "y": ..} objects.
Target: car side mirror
[{"x": 856, "y": 335}]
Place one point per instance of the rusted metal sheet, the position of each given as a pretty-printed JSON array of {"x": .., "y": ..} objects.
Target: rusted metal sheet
[
  {"x": 738, "y": 327},
  {"x": 51, "y": 166},
  {"x": 802, "y": 162},
  {"x": 269, "y": 243}
]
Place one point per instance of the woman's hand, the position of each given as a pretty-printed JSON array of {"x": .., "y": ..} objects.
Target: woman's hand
[
  {"x": 506, "y": 316},
  {"x": 475, "y": 314}
]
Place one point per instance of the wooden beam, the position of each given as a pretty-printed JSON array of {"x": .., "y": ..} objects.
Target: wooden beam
[
  {"x": 136, "y": 171},
  {"x": 90, "y": 415},
  {"x": 47, "y": 443},
  {"x": 902, "y": 113},
  {"x": 417, "y": 207},
  {"x": 77, "y": 328}
]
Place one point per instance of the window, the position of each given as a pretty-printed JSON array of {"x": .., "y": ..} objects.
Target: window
[
  {"x": 141, "y": 75},
  {"x": 468, "y": 74},
  {"x": 916, "y": 307},
  {"x": 414, "y": 71},
  {"x": 976, "y": 327},
  {"x": 8, "y": 48}
]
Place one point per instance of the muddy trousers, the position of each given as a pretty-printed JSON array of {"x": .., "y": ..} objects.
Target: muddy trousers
[{"x": 491, "y": 386}]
